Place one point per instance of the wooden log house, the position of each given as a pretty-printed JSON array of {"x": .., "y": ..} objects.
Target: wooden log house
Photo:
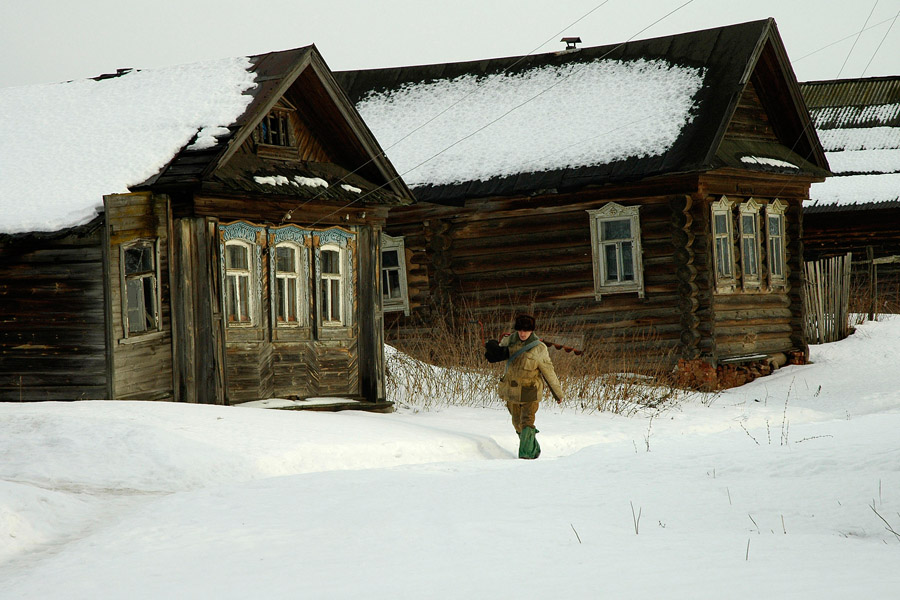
[
  {"x": 246, "y": 268},
  {"x": 695, "y": 240}
]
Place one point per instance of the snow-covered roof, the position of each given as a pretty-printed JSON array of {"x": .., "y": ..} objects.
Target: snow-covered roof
[
  {"x": 63, "y": 146},
  {"x": 560, "y": 121},
  {"x": 858, "y": 123},
  {"x": 551, "y": 117}
]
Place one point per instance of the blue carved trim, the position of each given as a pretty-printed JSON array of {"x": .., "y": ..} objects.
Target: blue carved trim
[
  {"x": 290, "y": 233},
  {"x": 335, "y": 236}
]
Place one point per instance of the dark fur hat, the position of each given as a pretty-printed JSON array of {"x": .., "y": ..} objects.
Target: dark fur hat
[{"x": 524, "y": 323}]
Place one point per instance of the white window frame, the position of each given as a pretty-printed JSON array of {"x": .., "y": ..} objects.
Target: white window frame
[
  {"x": 723, "y": 245},
  {"x": 297, "y": 279},
  {"x": 153, "y": 275},
  {"x": 603, "y": 284},
  {"x": 751, "y": 263},
  {"x": 395, "y": 244},
  {"x": 776, "y": 209},
  {"x": 324, "y": 308},
  {"x": 250, "y": 275}
]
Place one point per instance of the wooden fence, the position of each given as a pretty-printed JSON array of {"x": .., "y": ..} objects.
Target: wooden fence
[{"x": 826, "y": 299}]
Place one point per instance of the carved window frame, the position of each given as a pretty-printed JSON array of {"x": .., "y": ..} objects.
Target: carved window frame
[
  {"x": 603, "y": 282},
  {"x": 343, "y": 241},
  {"x": 723, "y": 244},
  {"x": 249, "y": 236},
  {"x": 751, "y": 247},
  {"x": 775, "y": 243},
  {"x": 300, "y": 240},
  {"x": 149, "y": 276},
  {"x": 401, "y": 303}
]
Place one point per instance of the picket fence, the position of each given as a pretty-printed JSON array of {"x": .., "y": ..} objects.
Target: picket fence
[{"x": 826, "y": 299}]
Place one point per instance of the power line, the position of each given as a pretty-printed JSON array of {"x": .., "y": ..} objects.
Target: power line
[
  {"x": 857, "y": 39},
  {"x": 884, "y": 37},
  {"x": 843, "y": 39},
  {"x": 485, "y": 126},
  {"x": 288, "y": 215}
]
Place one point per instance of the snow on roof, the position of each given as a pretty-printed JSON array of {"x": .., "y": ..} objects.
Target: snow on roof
[
  {"x": 547, "y": 118},
  {"x": 865, "y": 160},
  {"x": 63, "y": 146},
  {"x": 770, "y": 162},
  {"x": 856, "y": 189}
]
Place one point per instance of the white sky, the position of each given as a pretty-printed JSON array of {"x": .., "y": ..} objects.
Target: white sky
[{"x": 43, "y": 41}]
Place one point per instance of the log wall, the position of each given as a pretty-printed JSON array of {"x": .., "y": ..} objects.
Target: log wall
[
  {"x": 495, "y": 257},
  {"x": 52, "y": 315}
]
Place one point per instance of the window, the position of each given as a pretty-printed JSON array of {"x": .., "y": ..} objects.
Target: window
[
  {"x": 140, "y": 284},
  {"x": 238, "y": 283},
  {"x": 723, "y": 249},
  {"x": 750, "y": 243},
  {"x": 393, "y": 274},
  {"x": 275, "y": 128},
  {"x": 331, "y": 286},
  {"x": 775, "y": 232},
  {"x": 288, "y": 282},
  {"x": 616, "y": 242}
]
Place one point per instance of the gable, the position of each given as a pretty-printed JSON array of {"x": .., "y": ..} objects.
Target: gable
[
  {"x": 769, "y": 129},
  {"x": 324, "y": 124}
]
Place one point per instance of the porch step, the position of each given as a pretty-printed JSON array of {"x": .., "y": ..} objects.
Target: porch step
[{"x": 330, "y": 403}]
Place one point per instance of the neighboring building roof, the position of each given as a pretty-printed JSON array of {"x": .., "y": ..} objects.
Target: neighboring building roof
[
  {"x": 64, "y": 146},
  {"x": 593, "y": 116},
  {"x": 858, "y": 122}
]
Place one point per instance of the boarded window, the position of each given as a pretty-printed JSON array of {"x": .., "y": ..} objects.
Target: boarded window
[{"x": 139, "y": 262}]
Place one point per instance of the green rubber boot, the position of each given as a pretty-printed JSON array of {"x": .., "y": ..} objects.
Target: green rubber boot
[{"x": 528, "y": 444}]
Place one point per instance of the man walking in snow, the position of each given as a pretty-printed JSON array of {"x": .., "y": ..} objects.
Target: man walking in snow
[{"x": 528, "y": 366}]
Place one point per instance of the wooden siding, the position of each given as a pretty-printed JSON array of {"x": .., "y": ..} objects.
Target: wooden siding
[
  {"x": 539, "y": 258},
  {"x": 199, "y": 349},
  {"x": 52, "y": 334},
  {"x": 750, "y": 119},
  {"x": 142, "y": 364}
]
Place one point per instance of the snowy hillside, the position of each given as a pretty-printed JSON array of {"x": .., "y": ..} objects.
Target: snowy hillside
[{"x": 783, "y": 488}]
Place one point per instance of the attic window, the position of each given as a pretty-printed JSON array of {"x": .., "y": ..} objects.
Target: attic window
[{"x": 274, "y": 130}]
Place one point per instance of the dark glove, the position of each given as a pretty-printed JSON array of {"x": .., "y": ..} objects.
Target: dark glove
[{"x": 494, "y": 352}]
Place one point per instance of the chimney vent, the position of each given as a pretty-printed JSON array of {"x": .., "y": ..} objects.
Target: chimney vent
[{"x": 570, "y": 43}]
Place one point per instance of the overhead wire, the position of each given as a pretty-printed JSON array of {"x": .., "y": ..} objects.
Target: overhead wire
[
  {"x": 383, "y": 153},
  {"x": 506, "y": 113}
]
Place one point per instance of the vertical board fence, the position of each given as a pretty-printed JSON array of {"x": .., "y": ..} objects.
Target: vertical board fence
[{"x": 826, "y": 297}]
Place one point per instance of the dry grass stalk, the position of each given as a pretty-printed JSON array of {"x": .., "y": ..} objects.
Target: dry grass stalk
[{"x": 442, "y": 363}]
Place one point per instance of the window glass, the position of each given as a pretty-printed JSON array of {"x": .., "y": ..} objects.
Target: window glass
[
  {"x": 138, "y": 259},
  {"x": 627, "y": 262},
  {"x": 390, "y": 259},
  {"x": 139, "y": 265},
  {"x": 331, "y": 262},
  {"x": 285, "y": 259},
  {"x": 237, "y": 257},
  {"x": 616, "y": 230}
]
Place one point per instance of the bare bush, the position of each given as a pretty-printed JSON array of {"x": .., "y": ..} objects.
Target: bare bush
[{"x": 442, "y": 362}]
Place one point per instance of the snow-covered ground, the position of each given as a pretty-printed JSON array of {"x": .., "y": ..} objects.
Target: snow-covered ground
[{"x": 771, "y": 490}]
